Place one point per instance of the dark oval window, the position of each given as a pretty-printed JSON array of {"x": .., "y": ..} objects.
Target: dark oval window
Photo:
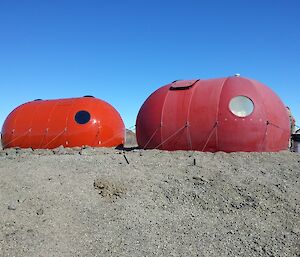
[{"x": 82, "y": 117}]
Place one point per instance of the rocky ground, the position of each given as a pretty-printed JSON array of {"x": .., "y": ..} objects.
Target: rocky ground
[{"x": 108, "y": 202}]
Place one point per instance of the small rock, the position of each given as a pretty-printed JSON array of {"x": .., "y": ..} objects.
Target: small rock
[
  {"x": 108, "y": 188},
  {"x": 12, "y": 206},
  {"x": 40, "y": 212},
  {"x": 200, "y": 179},
  {"x": 296, "y": 230}
]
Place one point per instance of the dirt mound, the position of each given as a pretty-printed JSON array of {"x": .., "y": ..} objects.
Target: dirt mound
[
  {"x": 130, "y": 139},
  {"x": 107, "y": 202}
]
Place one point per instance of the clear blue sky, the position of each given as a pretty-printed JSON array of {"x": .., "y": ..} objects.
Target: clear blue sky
[{"x": 121, "y": 51}]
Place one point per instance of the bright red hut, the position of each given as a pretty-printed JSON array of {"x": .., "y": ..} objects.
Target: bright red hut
[
  {"x": 84, "y": 121},
  {"x": 226, "y": 114}
]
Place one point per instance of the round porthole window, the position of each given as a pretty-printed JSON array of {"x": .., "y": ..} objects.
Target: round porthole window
[
  {"x": 241, "y": 106},
  {"x": 82, "y": 117}
]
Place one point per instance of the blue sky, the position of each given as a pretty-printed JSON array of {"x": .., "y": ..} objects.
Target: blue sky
[{"x": 121, "y": 51}]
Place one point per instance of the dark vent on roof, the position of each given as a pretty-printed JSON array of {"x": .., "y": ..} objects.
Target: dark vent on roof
[{"x": 183, "y": 84}]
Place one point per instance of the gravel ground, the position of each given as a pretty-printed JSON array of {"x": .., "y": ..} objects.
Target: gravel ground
[{"x": 108, "y": 202}]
